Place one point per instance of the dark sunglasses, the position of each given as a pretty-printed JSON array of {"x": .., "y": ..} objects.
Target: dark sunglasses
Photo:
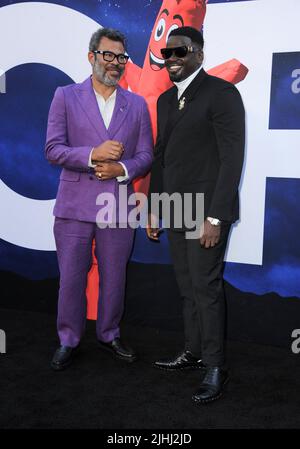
[
  {"x": 179, "y": 52},
  {"x": 109, "y": 56}
]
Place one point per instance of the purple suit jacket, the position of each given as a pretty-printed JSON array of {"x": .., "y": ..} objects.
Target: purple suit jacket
[{"x": 75, "y": 126}]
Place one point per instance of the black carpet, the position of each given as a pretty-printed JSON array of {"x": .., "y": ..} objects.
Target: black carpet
[{"x": 100, "y": 392}]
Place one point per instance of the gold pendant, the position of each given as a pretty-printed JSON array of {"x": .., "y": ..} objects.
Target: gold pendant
[{"x": 181, "y": 103}]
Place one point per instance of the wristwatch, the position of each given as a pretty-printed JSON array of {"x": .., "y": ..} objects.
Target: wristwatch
[{"x": 214, "y": 221}]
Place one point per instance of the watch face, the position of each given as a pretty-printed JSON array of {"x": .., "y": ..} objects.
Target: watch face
[{"x": 214, "y": 221}]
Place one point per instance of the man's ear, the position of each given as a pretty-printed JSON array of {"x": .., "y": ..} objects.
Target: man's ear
[
  {"x": 91, "y": 57},
  {"x": 200, "y": 55}
]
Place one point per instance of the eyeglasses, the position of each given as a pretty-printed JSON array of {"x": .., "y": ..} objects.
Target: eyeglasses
[
  {"x": 109, "y": 56},
  {"x": 179, "y": 52}
]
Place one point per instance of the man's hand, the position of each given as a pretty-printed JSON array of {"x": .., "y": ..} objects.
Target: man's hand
[
  {"x": 108, "y": 150},
  {"x": 152, "y": 228},
  {"x": 210, "y": 235},
  {"x": 109, "y": 170}
]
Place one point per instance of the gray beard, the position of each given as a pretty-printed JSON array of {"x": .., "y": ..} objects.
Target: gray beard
[{"x": 103, "y": 78}]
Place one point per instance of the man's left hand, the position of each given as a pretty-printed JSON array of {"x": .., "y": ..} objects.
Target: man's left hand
[
  {"x": 211, "y": 235},
  {"x": 109, "y": 170}
]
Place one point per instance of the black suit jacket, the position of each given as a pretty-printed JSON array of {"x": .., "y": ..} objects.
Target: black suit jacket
[{"x": 200, "y": 148}]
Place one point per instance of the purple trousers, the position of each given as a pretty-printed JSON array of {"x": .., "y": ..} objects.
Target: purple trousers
[{"x": 74, "y": 251}]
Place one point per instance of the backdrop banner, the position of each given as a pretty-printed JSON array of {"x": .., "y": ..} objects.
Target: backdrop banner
[{"x": 44, "y": 45}]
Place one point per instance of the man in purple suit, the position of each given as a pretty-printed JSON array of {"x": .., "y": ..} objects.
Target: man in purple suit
[{"x": 100, "y": 134}]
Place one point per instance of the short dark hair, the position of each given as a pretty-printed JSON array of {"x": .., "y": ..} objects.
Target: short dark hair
[
  {"x": 110, "y": 33},
  {"x": 194, "y": 34}
]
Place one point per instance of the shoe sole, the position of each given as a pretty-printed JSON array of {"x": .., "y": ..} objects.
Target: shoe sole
[
  {"x": 185, "y": 368},
  {"x": 207, "y": 401},
  {"x": 119, "y": 357}
]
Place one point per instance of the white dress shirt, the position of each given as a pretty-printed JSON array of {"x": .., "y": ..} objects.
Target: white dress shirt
[
  {"x": 106, "y": 108},
  {"x": 182, "y": 85}
]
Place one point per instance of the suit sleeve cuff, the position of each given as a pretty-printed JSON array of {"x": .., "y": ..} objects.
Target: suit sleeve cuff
[
  {"x": 125, "y": 177},
  {"x": 90, "y": 164}
]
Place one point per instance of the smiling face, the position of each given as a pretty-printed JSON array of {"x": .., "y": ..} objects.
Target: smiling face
[
  {"x": 107, "y": 73},
  {"x": 181, "y": 68},
  {"x": 173, "y": 14},
  {"x": 165, "y": 23}
]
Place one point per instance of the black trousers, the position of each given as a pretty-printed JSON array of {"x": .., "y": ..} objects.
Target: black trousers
[{"x": 199, "y": 274}]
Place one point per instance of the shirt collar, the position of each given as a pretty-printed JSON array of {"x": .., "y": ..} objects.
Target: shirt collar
[
  {"x": 182, "y": 85},
  {"x": 112, "y": 96}
]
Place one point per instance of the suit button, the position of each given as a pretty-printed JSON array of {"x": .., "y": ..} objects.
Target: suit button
[{"x": 91, "y": 178}]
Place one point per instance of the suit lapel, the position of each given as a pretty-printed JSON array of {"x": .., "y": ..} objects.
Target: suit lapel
[
  {"x": 169, "y": 116},
  {"x": 87, "y": 98},
  {"x": 165, "y": 108},
  {"x": 186, "y": 98},
  {"x": 119, "y": 114}
]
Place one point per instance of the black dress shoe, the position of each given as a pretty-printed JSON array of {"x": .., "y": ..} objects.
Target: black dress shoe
[
  {"x": 185, "y": 360},
  {"x": 212, "y": 386},
  {"x": 119, "y": 350},
  {"x": 63, "y": 357}
]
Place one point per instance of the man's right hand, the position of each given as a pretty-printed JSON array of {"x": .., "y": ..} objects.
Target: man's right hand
[
  {"x": 108, "y": 150},
  {"x": 152, "y": 228}
]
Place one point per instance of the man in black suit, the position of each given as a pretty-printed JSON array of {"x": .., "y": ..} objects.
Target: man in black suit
[{"x": 199, "y": 149}]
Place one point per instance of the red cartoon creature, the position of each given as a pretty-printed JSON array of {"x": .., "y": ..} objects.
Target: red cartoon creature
[{"x": 153, "y": 79}]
